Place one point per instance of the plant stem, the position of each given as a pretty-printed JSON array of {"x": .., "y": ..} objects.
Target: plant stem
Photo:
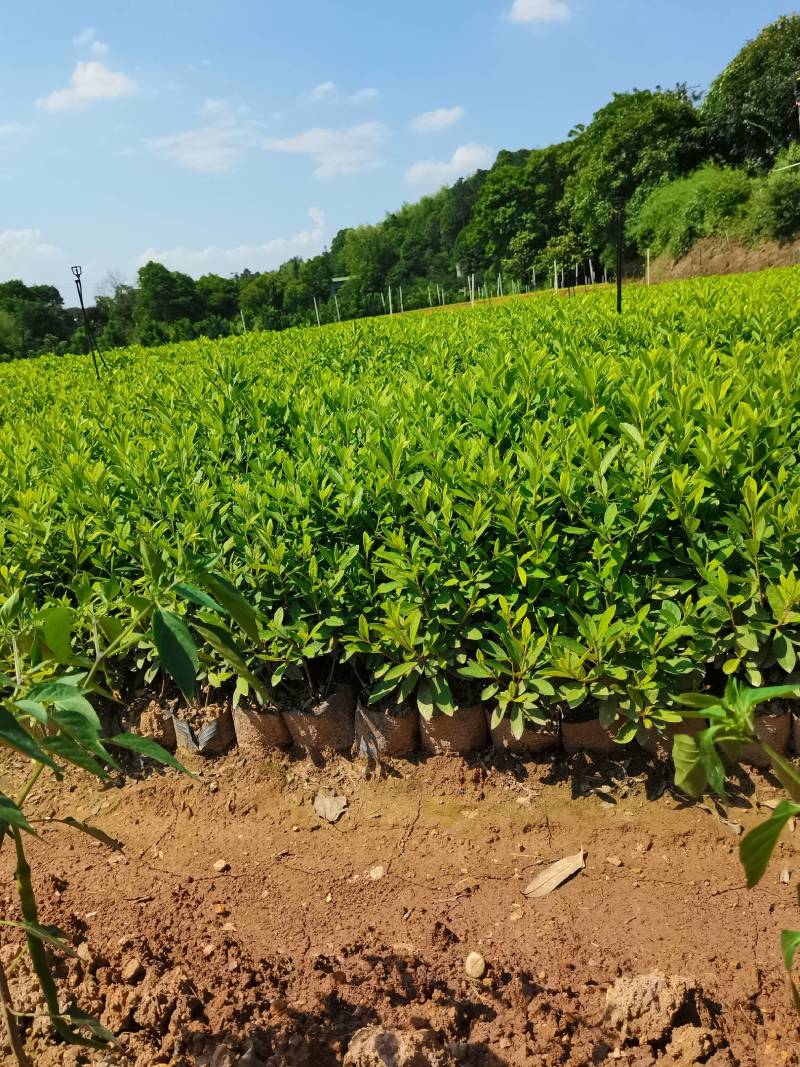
[
  {"x": 31, "y": 782},
  {"x": 7, "y": 1009}
]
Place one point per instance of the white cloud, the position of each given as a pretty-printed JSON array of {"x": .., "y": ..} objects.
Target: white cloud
[
  {"x": 432, "y": 174},
  {"x": 330, "y": 91},
  {"x": 539, "y": 11},
  {"x": 439, "y": 119},
  {"x": 322, "y": 90},
  {"x": 89, "y": 81},
  {"x": 88, "y": 39},
  {"x": 258, "y": 257},
  {"x": 25, "y": 254},
  {"x": 210, "y": 149},
  {"x": 337, "y": 151}
]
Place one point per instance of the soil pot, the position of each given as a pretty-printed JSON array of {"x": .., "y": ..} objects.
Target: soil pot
[
  {"x": 157, "y": 724},
  {"x": 214, "y": 737},
  {"x": 328, "y": 725},
  {"x": 587, "y": 736},
  {"x": 660, "y": 744},
  {"x": 454, "y": 735},
  {"x": 259, "y": 730},
  {"x": 391, "y": 732},
  {"x": 534, "y": 738},
  {"x": 774, "y": 728}
]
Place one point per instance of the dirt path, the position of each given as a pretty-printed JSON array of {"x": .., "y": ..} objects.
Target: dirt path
[{"x": 316, "y": 930}]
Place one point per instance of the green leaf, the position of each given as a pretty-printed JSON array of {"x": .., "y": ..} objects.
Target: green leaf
[
  {"x": 425, "y": 699},
  {"x": 690, "y": 775},
  {"x": 757, "y": 845},
  {"x": 223, "y": 643},
  {"x": 88, "y": 1022},
  {"x": 517, "y": 722},
  {"x": 11, "y": 606},
  {"x": 64, "y": 695},
  {"x": 196, "y": 596},
  {"x": 57, "y": 629},
  {"x": 67, "y": 748},
  {"x": 233, "y": 602},
  {"x": 752, "y": 697},
  {"x": 790, "y": 943},
  {"x": 442, "y": 696},
  {"x": 153, "y": 563},
  {"x": 712, "y": 764},
  {"x": 784, "y": 652},
  {"x": 144, "y": 746},
  {"x": 32, "y": 708},
  {"x": 18, "y": 738},
  {"x": 11, "y": 815},
  {"x": 51, "y": 935},
  {"x": 176, "y": 650}
]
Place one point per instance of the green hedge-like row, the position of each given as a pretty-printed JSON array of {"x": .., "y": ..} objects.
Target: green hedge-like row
[{"x": 563, "y": 505}]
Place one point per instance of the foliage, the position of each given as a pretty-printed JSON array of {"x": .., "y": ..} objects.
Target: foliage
[
  {"x": 533, "y": 495},
  {"x": 710, "y": 202},
  {"x": 750, "y": 112},
  {"x": 700, "y": 763},
  {"x": 633, "y": 143}
]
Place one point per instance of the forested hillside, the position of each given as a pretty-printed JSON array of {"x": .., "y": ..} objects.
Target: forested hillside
[{"x": 686, "y": 164}]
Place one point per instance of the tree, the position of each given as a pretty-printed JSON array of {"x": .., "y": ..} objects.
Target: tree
[
  {"x": 165, "y": 295},
  {"x": 631, "y": 144},
  {"x": 750, "y": 112}
]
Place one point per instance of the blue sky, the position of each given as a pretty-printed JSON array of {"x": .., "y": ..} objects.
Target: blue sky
[{"x": 218, "y": 136}]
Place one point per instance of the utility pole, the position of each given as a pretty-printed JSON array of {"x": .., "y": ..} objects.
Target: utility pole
[
  {"x": 77, "y": 271},
  {"x": 618, "y": 203}
]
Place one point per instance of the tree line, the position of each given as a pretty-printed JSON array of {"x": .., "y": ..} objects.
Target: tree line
[{"x": 685, "y": 164}]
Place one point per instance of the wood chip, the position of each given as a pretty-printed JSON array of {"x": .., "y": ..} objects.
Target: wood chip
[{"x": 555, "y": 875}]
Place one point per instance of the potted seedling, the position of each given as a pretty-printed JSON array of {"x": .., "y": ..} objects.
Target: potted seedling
[
  {"x": 319, "y": 709},
  {"x": 386, "y": 724},
  {"x": 418, "y": 664},
  {"x": 509, "y": 662}
]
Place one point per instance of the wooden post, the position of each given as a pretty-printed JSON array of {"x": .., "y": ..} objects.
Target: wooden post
[
  {"x": 555, "y": 275},
  {"x": 336, "y": 301},
  {"x": 430, "y": 300},
  {"x": 402, "y": 309},
  {"x": 244, "y": 328},
  {"x": 391, "y": 309},
  {"x": 648, "y": 266},
  {"x": 316, "y": 311},
  {"x": 383, "y": 302}
]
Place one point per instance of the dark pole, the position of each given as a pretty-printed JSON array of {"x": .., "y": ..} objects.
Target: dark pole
[
  {"x": 619, "y": 210},
  {"x": 86, "y": 325}
]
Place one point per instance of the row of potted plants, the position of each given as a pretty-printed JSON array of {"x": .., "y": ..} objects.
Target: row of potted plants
[{"x": 342, "y": 719}]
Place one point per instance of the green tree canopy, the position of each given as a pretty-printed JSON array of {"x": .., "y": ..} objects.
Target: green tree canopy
[{"x": 750, "y": 112}]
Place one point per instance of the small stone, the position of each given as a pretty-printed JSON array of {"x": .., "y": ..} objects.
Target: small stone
[
  {"x": 84, "y": 952},
  {"x": 377, "y": 872},
  {"x": 213, "y": 787},
  {"x": 133, "y": 971},
  {"x": 475, "y": 965},
  {"x": 221, "y": 866},
  {"x": 220, "y": 909},
  {"x": 208, "y": 951},
  {"x": 615, "y": 861},
  {"x": 785, "y": 876}
]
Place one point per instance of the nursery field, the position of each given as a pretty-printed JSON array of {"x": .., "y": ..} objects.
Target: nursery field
[
  {"x": 558, "y": 510},
  {"x": 528, "y": 535}
]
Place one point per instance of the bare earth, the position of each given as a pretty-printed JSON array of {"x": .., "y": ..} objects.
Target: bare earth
[{"x": 317, "y": 930}]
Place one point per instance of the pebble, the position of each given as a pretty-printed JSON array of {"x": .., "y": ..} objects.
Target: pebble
[
  {"x": 221, "y": 866},
  {"x": 208, "y": 951},
  {"x": 133, "y": 971},
  {"x": 84, "y": 952},
  {"x": 475, "y": 965},
  {"x": 615, "y": 861},
  {"x": 377, "y": 872}
]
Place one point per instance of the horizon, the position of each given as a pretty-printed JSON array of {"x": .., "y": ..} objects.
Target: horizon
[{"x": 245, "y": 136}]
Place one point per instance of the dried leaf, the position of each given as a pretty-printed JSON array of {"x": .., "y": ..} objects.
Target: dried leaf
[
  {"x": 555, "y": 875},
  {"x": 329, "y": 807}
]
